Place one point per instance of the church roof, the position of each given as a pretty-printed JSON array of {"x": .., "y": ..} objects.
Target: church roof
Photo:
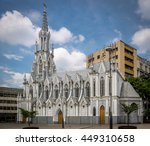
[
  {"x": 82, "y": 73},
  {"x": 106, "y": 64},
  {"x": 128, "y": 91}
]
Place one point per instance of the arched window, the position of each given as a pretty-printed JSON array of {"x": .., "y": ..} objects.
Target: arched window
[
  {"x": 87, "y": 88},
  {"x": 31, "y": 91},
  {"x": 94, "y": 111},
  {"x": 46, "y": 92},
  {"x": 49, "y": 65},
  {"x": 56, "y": 91},
  {"x": 40, "y": 66},
  {"x": 66, "y": 91},
  {"x": 76, "y": 90},
  {"x": 41, "y": 42},
  {"x": 102, "y": 87},
  {"x": 40, "y": 89},
  {"x": 94, "y": 90},
  {"x": 134, "y": 105}
]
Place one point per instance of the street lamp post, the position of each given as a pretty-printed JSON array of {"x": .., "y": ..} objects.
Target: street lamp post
[
  {"x": 62, "y": 102},
  {"x": 109, "y": 49}
]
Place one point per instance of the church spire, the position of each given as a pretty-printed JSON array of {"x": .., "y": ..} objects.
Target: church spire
[{"x": 45, "y": 22}]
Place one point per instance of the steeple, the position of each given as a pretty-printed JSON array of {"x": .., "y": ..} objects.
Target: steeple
[
  {"x": 43, "y": 64},
  {"x": 44, "y": 34},
  {"x": 45, "y": 23}
]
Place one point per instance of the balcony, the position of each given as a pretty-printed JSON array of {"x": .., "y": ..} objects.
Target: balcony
[
  {"x": 129, "y": 63},
  {"x": 129, "y": 71},
  {"x": 129, "y": 56}
]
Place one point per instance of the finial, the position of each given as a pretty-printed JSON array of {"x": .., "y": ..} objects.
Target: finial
[
  {"x": 53, "y": 49},
  {"x": 24, "y": 77},
  {"x": 36, "y": 45}
]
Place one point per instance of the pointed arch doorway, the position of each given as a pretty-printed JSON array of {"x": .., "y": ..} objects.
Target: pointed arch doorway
[
  {"x": 102, "y": 115},
  {"x": 60, "y": 117}
]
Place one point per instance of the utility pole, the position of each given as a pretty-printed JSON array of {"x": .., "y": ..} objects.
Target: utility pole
[
  {"x": 62, "y": 104},
  {"x": 109, "y": 49}
]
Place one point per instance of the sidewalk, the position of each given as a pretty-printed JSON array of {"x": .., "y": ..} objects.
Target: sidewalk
[{"x": 68, "y": 126}]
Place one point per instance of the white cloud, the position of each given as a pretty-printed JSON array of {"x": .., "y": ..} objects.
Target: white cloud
[
  {"x": 81, "y": 38},
  {"x": 63, "y": 35},
  {"x": 118, "y": 33},
  {"x": 144, "y": 8},
  {"x": 17, "y": 29},
  {"x": 119, "y": 36},
  {"x": 13, "y": 56},
  {"x": 66, "y": 61},
  {"x": 26, "y": 51},
  {"x": 141, "y": 38},
  {"x": 15, "y": 78},
  {"x": 3, "y": 68},
  {"x": 35, "y": 16}
]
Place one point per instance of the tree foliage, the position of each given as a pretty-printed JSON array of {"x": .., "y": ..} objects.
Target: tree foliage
[
  {"x": 141, "y": 85},
  {"x": 128, "y": 109},
  {"x": 27, "y": 114}
]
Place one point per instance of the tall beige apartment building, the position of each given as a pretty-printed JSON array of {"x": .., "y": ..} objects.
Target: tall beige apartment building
[{"x": 124, "y": 57}]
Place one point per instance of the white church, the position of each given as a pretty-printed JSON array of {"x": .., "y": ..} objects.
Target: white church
[{"x": 75, "y": 97}]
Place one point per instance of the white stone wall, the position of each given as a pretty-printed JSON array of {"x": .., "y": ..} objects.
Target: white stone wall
[{"x": 80, "y": 107}]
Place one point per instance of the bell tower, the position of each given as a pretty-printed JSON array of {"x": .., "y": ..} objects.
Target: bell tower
[{"x": 43, "y": 64}]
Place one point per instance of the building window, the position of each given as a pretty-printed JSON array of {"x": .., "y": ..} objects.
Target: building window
[
  {"x": 40, "y": 66},
  {"x": 46, "y": 92},
  {"x": 102, "y": 87},
  {"x": 87, "y": 88},
  {"x": 66, "y": 91},
  {"x": 49, "y": 65},
  {"x": 98, "y": 56},
  {"x": 56, "y": 91},
  {"x": 40, "y": 89},
  {"x": 134, "y": 105},
  {"x": 94, "y": 111},
  {"x": 94, "y": 89},
  {"x": 76, "y": 90},
  {"x": 31, "y": 91}
]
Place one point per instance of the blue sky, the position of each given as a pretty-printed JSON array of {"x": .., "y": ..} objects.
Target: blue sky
[{"x": 78, "y": 28}]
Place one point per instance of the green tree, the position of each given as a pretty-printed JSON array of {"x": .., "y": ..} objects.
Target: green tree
[
  {"x": 128, "y": 109},
  {"x": 27, "y": 114},
  {"x": 147, "y": 113},
  {"x": 142, "y": 86}
]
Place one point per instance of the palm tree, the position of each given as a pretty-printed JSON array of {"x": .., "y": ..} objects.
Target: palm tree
[
  {"x": 128, "y": 109},
  {"x": 27, "y": 114}
]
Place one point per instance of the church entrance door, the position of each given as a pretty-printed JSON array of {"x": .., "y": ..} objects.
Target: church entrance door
[
  {"x": 102, "y": 115},
  {"x": 60, "y": 117}
]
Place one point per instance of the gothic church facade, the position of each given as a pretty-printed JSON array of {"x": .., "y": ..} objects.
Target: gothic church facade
[{"x": 74, "y": 96}]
